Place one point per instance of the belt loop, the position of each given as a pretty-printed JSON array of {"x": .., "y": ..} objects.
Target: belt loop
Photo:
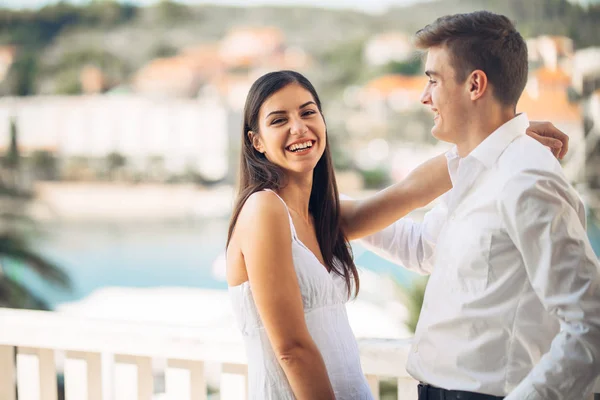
[{"x": 422, "y": 391}]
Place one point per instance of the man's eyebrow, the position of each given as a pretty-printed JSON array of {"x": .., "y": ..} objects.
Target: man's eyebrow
[
  {"x": 283, "y": 112},
  {"x": 431, "y": 73}
]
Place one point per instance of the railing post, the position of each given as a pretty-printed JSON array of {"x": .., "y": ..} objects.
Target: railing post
[
  {"x": 8, "y": 389},
  {"x": 234, "y": 382},
  {"x": 83, "y": 376},
  {"x": 373, "y": 381},
  {"x": 184, "y": 380},
  {"x": 407, "y": 389},
  {"x": 36, "y": 374},
  {"x": 133, "y": 378}
]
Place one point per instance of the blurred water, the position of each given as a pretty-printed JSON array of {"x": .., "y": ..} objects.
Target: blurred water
[
  {"x": 97, "y": 255},
  {"x": 594, "y": 234}
]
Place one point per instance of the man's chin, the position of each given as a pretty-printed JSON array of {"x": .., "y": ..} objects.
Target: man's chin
[{"x": 439, "y": 135}]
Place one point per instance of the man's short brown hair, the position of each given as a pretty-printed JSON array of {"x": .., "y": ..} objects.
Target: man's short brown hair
[{"x": 485, "y": 41}]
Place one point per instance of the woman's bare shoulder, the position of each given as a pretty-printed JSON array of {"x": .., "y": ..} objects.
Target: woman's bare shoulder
[{"x": 261, "y": 210}]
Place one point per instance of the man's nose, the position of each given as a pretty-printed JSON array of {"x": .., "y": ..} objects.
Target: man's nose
[{"x": 426, "y": 96}]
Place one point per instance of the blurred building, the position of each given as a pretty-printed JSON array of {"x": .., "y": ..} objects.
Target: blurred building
[
  {"x": 393, "y": 92},
  {"x": 92, "y": 80},
  {"x": 550, "y": 51},
  {"x": 7, "y": 57},
  {"x": 224, "y": 67},
  {"x": 592, "y": 141},
  {"x": 586, "y": 86},
  {"x": 388, "y": 47},
  {"x": 150, "y": 136},
  {"x": 181, "y": 75},
  {"x": 586, "y": 71},
  {"x": 546, "y": 98},
  {"x": 250, "y": 46}
]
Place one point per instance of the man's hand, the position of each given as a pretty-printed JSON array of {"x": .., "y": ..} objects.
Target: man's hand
[{"x": 549, "y": 135}]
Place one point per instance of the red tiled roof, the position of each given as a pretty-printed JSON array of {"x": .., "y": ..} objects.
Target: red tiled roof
[
  {"x": 547, "y": 76},
  {"x": 550, "y": 104},
  {"x": 387, "y": 84}
]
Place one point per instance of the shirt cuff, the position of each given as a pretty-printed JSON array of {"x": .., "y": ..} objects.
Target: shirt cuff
[{"x": 524, "y": 391}]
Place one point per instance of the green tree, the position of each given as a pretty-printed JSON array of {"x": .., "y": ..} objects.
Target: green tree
[
  {"x": 375, "y": 178},
  {"x": 345, "y": 62},
  {"x": 172, "y": 12},
  {"x": 44, "y": 165},
  {"x": 163, "y": 50},
  {"x": 22, "y": 74},
  {"x": 412, "y": 296},
  {"x": 16, "y": 251},
  {"x": 114, "y": 162},
  {"x": 13, "y": 157},
  {"x": 409, "y": 67}
]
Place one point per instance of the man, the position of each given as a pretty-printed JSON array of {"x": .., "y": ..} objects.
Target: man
[{"x": 512, "y": 307}]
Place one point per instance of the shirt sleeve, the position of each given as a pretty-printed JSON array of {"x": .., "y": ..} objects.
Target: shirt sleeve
[
  {"x": 410, "y": 243},
  {"x": 546, "y": 221}
]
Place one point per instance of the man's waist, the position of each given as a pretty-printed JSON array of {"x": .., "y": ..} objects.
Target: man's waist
[
  {"x": 428, "y": 392},
  {"x": 444, "y": 368}
]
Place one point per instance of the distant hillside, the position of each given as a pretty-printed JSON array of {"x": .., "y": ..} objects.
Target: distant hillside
[
  {"x": 56, "y": 41},
  {"x": 533, "y": 17}
]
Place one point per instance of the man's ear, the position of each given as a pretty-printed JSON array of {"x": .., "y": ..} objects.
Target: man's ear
[
  {"x": 256, "y": 142},
  {"x": 477, "y": 84}
]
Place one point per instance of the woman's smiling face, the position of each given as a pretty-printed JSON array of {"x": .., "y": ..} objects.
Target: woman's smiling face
[{"x": 292, "y": 132}]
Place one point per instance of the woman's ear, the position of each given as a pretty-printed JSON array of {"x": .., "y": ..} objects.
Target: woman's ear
[{"x": 256, "y": 142}]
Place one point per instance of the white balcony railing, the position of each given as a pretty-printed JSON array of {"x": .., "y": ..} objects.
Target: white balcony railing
[{"x": 115, "y": 360}]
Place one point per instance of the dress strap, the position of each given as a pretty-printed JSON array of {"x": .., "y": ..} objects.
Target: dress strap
[{"x": 293, "y": 229}]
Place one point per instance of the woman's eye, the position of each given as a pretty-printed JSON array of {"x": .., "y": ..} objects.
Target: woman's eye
[
  {"x": 277, "y": 121},
  {"x": 309, "y": 112}
]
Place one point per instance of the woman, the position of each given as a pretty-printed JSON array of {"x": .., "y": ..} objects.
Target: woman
[{"x": 289, "y": 266}]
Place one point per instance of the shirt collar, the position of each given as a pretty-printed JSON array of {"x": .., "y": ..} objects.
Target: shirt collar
[
  {"x": 453, "y": 161},
  {"x": 490, "y": 149},
  {"x": 452, "y": 154}
]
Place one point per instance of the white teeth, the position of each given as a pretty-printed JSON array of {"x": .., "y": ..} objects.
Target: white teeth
[{"x": 299, "y": 146}]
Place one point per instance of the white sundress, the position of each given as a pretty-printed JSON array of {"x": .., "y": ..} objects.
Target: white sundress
[{"x": 323, "y": 296}]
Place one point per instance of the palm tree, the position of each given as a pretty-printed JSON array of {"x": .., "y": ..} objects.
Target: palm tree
[{"x": 15, "y": 247}]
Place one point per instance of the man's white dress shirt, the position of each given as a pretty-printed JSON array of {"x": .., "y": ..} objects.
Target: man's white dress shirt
[{"x": 512, "y": 307}]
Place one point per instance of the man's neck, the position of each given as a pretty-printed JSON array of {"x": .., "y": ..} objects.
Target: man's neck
[{"x": 482, "y": 125}]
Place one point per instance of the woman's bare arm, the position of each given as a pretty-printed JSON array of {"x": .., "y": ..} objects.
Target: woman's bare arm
[{"x": 265, "y": 239}]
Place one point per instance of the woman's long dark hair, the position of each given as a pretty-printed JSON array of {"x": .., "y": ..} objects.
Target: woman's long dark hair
[{"x": 257, "y": 173}]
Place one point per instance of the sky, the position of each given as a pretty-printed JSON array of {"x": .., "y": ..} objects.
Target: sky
[{"x": 371, "y": 6}]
